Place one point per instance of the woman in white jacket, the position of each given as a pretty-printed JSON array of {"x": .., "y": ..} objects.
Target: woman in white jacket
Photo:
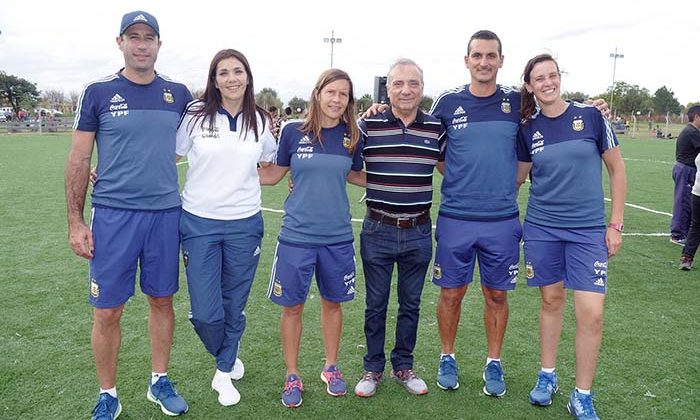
[{"x": 225, "y": 136}]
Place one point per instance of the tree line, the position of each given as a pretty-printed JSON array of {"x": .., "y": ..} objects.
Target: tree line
[{"x": 625, "y": 99}]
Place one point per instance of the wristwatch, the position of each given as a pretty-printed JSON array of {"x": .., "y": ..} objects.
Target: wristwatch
[{"x": 617, "y": 226}]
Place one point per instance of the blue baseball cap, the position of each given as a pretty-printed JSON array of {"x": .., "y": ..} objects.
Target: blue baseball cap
[{"x": 139, "y": 16}]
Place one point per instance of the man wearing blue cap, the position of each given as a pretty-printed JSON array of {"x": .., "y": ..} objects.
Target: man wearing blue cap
[{"x": 132, "y": 116}]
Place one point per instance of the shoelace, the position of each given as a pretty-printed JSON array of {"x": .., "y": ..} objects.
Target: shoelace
[
  {"x": 290, "y": 385},
  {"x": 406, "y": 374},
  {"x": 102, "y": 408},
  {"x": 165, "y": 389},
  {"x": 493, "y": 371},
  {"x": 335, "y": 376},
  {"x": 585, "y": 402},
  {"x": 544, "y": 382},
  {"x": 448, "y": 366},
  {"x": 371, "y": 376}
]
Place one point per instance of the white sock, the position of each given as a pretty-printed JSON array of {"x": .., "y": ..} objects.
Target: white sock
[
  {"x": 112, "y": 391},
  {"x": 547, "y": 370},
  {"x": 222, "y": 374},
  {"x": 489, "y": 360},
  {"x": 583, "y": 391},
  {"x": 448, "y": 354},
  {"x": 156, "y": 375}
]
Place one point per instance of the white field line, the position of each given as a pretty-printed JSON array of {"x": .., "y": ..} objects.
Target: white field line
[
  {"x": 360, "y": 221},
  {"x": 279, "y": 211},
  {"x": 634, "y": 206},
  {"x": 650, "y": 161}
]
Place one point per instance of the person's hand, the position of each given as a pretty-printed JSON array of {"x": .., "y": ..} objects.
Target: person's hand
[
  {"x": 613, "y": 239},
  {"x": 374, "y": 110},
  {"x": 602, "y": 106},
  {"x": 80, "y": 239},
  {"x": 93, "y": 175}
]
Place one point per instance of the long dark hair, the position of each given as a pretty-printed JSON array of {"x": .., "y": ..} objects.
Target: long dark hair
[
  {"x": 210, "y": 100},
  {"x": 527, "y": 99},
  {"x": 312, "y": 123}
]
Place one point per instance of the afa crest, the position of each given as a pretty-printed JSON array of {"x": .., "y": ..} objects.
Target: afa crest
[
  {"x": 577, "y": 125},
  {"x": 277, "y": 288},
  {"x": 505, "y": 107},
  {"x": 529, "y": 271},
  {"x": 437, "y": 272},
  {"x": 168, "y": 97},
  {"x": 346, "y": 141},
  {"x": 94, "y": 288}
]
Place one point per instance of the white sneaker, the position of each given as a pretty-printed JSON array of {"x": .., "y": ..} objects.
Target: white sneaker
[
  {"x": 238, "y": 370},
  {"x": 409, "y": 380},
  {"x": 228, "y": 394}
]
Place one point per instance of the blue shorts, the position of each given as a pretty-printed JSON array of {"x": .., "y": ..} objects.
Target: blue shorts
[
  {"x": 461, "y": 242},
  {"x": 578, "y": 256},
  {"x": 294, "y": 265},
  {"x": 127, "y": 238}
]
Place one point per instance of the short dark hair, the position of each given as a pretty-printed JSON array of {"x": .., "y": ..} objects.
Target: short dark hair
[
  {"x": 692, "y": 112},
  {"x": 487, "y": 35}
]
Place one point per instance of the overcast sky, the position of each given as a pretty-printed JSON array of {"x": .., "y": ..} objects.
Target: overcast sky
[{"x": 65, "y": 44}]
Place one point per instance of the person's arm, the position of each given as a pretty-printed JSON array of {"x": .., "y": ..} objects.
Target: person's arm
[
  {"x": 76, "y": 182},
  {"x": 618, "y": 190},
  {"x": 523, "y": 172},
  {"x": 358, "y": 178},
  {"x": 441, "y": 167},
  {"x": 271, "y": 174}
]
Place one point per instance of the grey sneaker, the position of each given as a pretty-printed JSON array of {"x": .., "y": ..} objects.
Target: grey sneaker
[
  {"x": 368, "y": 383},
  {"x": 686, "y": 262},
  {"x": 678, "y": 240},
  {"x": 409, "y": 380}
]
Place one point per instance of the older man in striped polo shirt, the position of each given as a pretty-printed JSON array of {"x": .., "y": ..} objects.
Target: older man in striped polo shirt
[{"x": 401, "y": 148}]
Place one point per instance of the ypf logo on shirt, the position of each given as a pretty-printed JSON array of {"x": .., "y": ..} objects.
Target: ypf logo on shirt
[{"x": 118, "y": 106}]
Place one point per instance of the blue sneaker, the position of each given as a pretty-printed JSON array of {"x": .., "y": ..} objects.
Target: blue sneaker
[
  {"x": 164, "y": 394},
  {"x": 581, "y": 406},
  {"x": 291, "y": 396},
  {"x": 447, "y": 373},
  {"x": 494, "y": 382},
  {"x": 107, "y": 408},
  {"x": 335, "y": 385},
  {"x": 547, "y": 385}
]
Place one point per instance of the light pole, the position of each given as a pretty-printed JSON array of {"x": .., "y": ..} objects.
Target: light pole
[
  {"x": 614, "y": 56},
  {"x": 332, "y": 40}
]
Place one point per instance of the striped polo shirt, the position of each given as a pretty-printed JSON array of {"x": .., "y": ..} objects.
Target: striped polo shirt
[{"x": 399, "y": 161}]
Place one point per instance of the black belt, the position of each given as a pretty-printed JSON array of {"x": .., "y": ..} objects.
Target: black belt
[{"x": 399, "y": 222}]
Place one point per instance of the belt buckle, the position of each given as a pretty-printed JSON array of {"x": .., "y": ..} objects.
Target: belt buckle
[{"x": 401, "y": 219}]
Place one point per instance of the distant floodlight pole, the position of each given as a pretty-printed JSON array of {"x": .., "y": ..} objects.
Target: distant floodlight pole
[
  {"x": 332, "y": 40},
  {"x": 614, "y": 56}
]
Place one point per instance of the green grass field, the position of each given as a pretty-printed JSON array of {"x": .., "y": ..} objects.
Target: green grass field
[{"x": 648, "y": 365}]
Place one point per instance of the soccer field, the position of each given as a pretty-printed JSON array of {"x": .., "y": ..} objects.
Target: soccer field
[{"x": 649, "y": 363}]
